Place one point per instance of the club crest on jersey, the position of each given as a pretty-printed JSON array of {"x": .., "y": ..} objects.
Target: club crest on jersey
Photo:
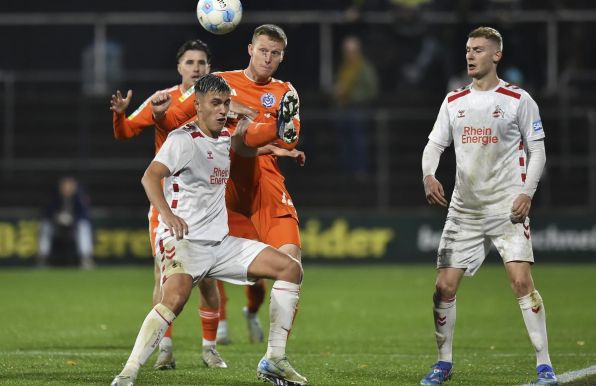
[
  {"x": 461, "y": 113},
  {"x": 268, "y": 99},
  {"x": 498, "y": 113},
  {"x": 537, "y": 125}
]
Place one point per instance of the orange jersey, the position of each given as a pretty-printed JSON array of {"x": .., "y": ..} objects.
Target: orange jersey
[
  {"x": 257, "y": 184},
  {"x": 142, "y": 118}
]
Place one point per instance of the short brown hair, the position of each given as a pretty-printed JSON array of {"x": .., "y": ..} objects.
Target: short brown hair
[
  {"x": 488, "y": 33},
  {"x": 273, "y": 31}
]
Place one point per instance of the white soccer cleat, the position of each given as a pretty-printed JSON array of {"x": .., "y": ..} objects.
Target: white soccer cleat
[
  {"x": 255, "y": 330},
  {"x": 279, "y": 372},
  {"x": 124, "y": 380},
  {"x": 212, "y": 359},
  {"x": 288, "y": 108},
  {"x": 165, "y": 359}
]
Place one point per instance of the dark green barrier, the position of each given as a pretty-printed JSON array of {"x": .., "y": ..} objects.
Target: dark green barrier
[{"x": 325, "y": 238}]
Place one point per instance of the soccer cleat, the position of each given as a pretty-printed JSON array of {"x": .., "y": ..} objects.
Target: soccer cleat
[
  {"x": 165, "y": 359},
  {"x": 212, "y": 359},
  {"x": 546, "y": 375},
  {"x": 123, "y": 380},
  {"x": 279, "y": 372},
  {"x": 223, "y": 336},
  {"x": 255, "y": 331},
  {"x": 288, "y": 108},
  {"x": 439, "y": 373}
]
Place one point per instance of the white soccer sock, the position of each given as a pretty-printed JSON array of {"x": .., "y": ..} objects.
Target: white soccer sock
[
  {"x": 282, "y": 307},
  {"x": 154, "y": 327},
  {"x": 534, "y": 315},
  {"x": 444, "y": 315},
  {"x": 166, "y": 343}
]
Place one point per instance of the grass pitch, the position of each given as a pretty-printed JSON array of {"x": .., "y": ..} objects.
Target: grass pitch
[{"x": 357, "y": 325}]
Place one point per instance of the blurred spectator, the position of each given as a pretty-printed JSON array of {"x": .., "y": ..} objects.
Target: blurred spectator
[
  {"x": 356, "y": 87},
  {"x": 64, "y": 219}
]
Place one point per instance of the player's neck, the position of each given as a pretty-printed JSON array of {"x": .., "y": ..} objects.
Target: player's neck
[
  {"x": 202, "y": 127},
  {"x": 254, "y": 77},
  {"x": 487, "y": 82}
]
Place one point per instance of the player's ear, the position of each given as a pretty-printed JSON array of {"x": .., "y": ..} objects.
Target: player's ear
[
  {"x": 250, "y": 49},
  {"x": 497, "y": 56},
  {"x": 282, "y": 56},
  {"x": 178, "y": 68}
]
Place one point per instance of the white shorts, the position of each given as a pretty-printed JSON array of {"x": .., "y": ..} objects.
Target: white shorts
[
  {"x": 466, "y": 242},
  {"x": 227, "y": 260}
]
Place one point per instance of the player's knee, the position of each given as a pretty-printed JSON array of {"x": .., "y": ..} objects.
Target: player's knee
[
  {"x": 292, "y": 271},
  {"x": 445, "y": 290},
  {"x": 174, "y": 302},
  {"x": 521, "y": 286}
]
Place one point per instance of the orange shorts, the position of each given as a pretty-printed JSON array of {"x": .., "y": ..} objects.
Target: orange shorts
[
  {"x": 277, "y": 231},
  {"x": 241, "y": 226},
  {"x": 153, "y": 223}
]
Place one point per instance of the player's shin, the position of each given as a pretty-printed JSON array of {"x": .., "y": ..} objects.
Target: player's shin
[
  {"x": 283, "y": 301},
  {"x": 532, "y": 309},
  {"x": 444, "y": 313},
  {"x": 152, "y": 330},
  {"x": 209, "y": 322}
]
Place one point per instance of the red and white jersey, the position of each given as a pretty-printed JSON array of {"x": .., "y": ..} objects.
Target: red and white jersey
[
  {"x": 489, "y": 130},
  {"x": 200, "y": 168}
]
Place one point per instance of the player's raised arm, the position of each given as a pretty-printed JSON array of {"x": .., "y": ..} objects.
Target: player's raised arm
[
  {"x": 170, "y": 117},
  {"x": 238, "y": 144},
  {"x": 296, "y": 154}
]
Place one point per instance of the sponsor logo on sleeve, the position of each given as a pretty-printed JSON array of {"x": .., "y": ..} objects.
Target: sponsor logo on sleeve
[{"x": 537, "y": 125}]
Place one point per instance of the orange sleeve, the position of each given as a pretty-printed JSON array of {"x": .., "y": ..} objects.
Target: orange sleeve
[
  {"x": 131, "y": 126},
  {"x": 176, "y": 115}
]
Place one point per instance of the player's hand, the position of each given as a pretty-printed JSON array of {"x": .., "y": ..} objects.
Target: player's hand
[
  {"x": 160, "y": 102},
  {"x": 241, "y": 126},
  {"x": 298, "y": 155},
  {"x": 118, "y": 104},
  {"x": 176, "y": 225},
  {"x": 435, "y": 195},
  {"x": 520, "y": 208},
  {"x": 243, "y": 110}
]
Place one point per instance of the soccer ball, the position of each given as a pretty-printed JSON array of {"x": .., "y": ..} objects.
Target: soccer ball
[{"x": 219, "y": 16}]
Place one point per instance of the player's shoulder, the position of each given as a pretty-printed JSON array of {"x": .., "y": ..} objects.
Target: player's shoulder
[
  {"x": 458, "y": 93},
  {"x": 512, "y": 90},
  {"x": 187, "y": 130},
  {"x": 282, "y": 84},
  {"x": 230, "y": 75}
]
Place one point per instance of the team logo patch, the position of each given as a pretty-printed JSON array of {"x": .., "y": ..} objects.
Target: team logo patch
[
  {"x": 268, "y": 99},
  {"x": 498, "y": 112},
  {"x": 461, "y": 113},
  {"x": 537, "y": 125},
  {"x": 209, "y": 154}
]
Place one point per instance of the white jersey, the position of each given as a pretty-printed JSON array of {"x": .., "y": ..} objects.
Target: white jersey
[
  {"x": 490, "y": 130},
  {"x": 195, "y": 190}
]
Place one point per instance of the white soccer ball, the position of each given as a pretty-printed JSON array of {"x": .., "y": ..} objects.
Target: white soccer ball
[{"x": 219, "y": 16}]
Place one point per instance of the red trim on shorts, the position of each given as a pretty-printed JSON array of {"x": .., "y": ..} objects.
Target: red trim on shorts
[
  {"x": 176, "y": 188},
  {"x": 174, "y": 204},
  {"x": 523, "y": 177},
  {"x": 521, "y": 161}
]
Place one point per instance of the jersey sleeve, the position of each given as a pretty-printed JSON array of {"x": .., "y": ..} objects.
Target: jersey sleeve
[
  {"x": 441, "y": 132},
  {"x": 131, "y": 126},
  {"x": 176, "y": 152},
  {"x": 528, "y": 119},
  {"x": 176, "y": 115}
]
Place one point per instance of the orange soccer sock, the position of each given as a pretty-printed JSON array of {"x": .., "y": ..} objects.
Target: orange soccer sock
[
  {"x": 209, "y": 322},
  {"x": 168, "y": 333},
  {"x": 223, "y": 300},
  {"x": 255, "y": 294}
]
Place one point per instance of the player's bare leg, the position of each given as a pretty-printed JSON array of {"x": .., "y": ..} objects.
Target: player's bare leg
[
  {"x": 176, "y": 291},
  {"x": 444, "y": 314},
  {"x": 209, "y": 313},
  {"x": 534, "y": 315},
  {"x": 165, "y": 358},
  {"x": 274, "y": 367}
]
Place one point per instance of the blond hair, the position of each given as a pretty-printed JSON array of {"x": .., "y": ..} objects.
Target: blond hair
[{"x": 488, "y": 33}]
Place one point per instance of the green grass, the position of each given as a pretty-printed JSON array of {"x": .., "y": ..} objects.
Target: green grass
[{"x": 357, "y": 325}]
